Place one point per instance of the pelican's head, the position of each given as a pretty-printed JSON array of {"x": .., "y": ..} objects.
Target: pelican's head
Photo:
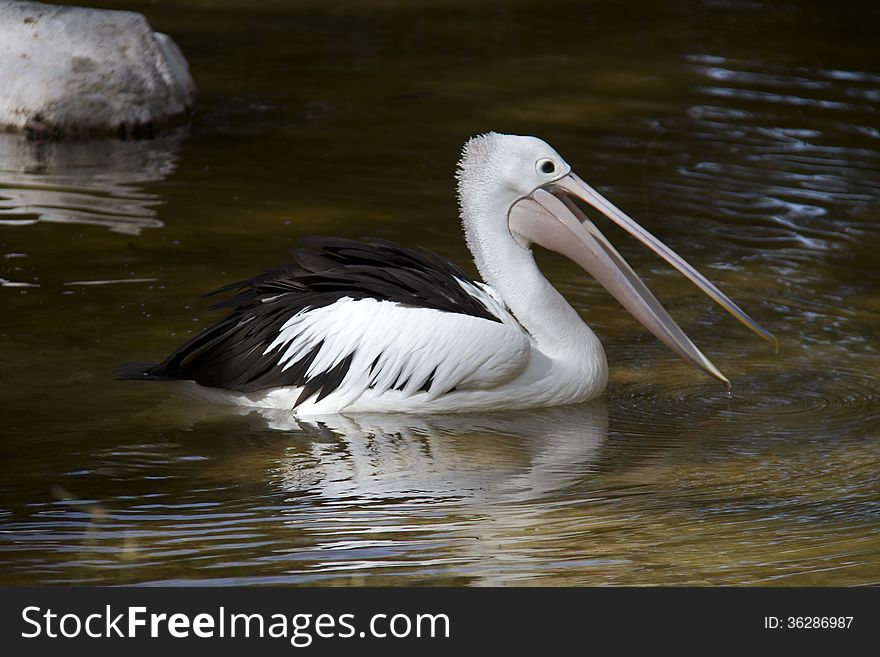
[
  {"x": 524, "y": 183},
  {"x": 509, "y": 165}
]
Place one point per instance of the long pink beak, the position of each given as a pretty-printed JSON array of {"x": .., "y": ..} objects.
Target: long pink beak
[{"x": 550, "y": 218}]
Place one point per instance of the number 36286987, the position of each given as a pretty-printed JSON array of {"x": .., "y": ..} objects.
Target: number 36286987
[{"x": 808, "y": 622}]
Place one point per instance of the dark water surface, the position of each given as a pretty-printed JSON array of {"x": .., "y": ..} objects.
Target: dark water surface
[{"x": 745, "y": 134}]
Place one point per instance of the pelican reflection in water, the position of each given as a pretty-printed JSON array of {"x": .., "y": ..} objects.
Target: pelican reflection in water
[{"x": 509, "y": 456}]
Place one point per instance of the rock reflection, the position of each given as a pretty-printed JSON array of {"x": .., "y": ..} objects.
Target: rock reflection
[
  {"x": 89, "y": 182},
  {"x": 515, "y": 456}
]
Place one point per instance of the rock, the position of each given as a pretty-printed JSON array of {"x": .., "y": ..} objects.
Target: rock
[{"x": 75, "y": 72}]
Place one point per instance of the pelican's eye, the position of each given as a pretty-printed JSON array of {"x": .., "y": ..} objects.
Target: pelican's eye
[{"x": 545, "y": 166}]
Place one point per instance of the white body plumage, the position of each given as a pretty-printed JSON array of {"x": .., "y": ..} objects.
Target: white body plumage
[{"x": 476, "y": 364}]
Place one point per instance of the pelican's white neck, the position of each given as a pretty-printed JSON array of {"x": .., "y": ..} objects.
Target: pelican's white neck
[
  {"x": 568, "y": 363},
  {"x": 512, "y": 271}
]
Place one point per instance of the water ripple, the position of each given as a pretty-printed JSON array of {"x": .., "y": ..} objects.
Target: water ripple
[{"x": 767, "y": 398}]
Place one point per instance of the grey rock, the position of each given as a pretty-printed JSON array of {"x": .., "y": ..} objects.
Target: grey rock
[{"x": 77, "y": 72}]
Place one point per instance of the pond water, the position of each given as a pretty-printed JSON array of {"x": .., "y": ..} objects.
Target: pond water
[{"x": 744, "y": 134}]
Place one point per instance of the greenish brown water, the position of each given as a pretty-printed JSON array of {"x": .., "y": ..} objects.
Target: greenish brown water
[{"x": 744, "y": 134}]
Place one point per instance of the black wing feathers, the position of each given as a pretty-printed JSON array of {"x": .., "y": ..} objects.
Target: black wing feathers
[{"x": 230, "y": 354}]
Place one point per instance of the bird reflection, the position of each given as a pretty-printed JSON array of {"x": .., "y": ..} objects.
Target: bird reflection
[
  {"x": 512, "y": 456},
  {"x": 355, "y": 495},
  {"x": 90, "y": 182}
]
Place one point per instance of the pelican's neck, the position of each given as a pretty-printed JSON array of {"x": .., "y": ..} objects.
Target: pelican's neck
[{"x": 512, "y": 271}]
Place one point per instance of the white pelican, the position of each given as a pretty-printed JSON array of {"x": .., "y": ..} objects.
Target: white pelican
[{"x": 372, "y": 326}]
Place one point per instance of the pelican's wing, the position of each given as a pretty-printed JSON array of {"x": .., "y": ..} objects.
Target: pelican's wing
[
  {"x": 355, "y": 345},
  {"x": 355, "y": 316}
]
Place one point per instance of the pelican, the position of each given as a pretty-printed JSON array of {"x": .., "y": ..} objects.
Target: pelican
[{"x": 372, "y": 326}]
